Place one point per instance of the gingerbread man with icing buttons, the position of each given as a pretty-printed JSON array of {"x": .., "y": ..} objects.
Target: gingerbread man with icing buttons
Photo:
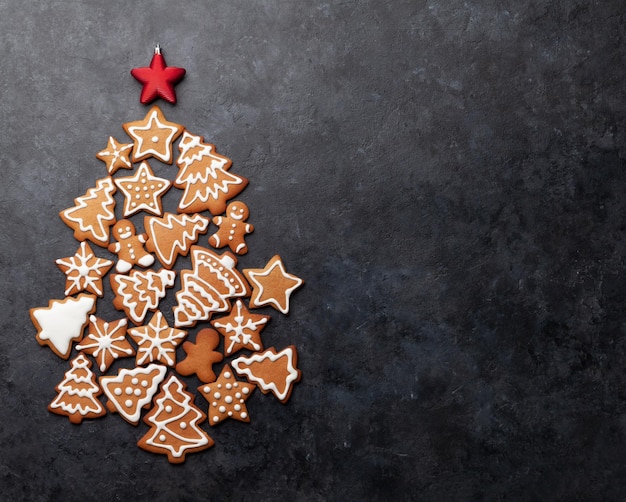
[
  {"x": 232, "y": 228},
  {"x": 129, "y": 247}
]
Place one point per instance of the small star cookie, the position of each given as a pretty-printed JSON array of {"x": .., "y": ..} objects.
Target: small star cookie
[
  {"x": 157, "y": 341},
  {"x": 84, "y": 271},
  {"x": 153, "y": 136},
  {"x": 106, "y": 341},
  {"x": 272, "y": 285},
  {"x": 241, "y": 329},
  {"x": 143, "y": 191},
  {"x": 116, "y": 155},
  {"x": 227, "y": 397}
]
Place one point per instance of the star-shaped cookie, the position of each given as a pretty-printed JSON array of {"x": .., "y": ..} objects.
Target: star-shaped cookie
[
  {"x": 272, "y": 285},
  {"x": 157, "y": 341},
  {"x": 143, "y": 191},
  {"x": 241, "y": 329},
  {"x": 106, "y": 341},
  {"x": 227, "y": 397},
  {"x": 84, "y": 271},
  {"x": 116, "y": 155},
  {"x": 153, "y": 136}
]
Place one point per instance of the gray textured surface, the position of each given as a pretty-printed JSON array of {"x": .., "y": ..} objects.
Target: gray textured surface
[{"x": 448, "y": 177}]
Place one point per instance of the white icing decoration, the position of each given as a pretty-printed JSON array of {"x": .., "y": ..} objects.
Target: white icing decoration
[
  {"x": 169, "y": 245},
  {"x": 78, "y": 382},
  {"x": 105, "y": 214},
  {"x": 155, "y": 373},
  {"x": 106, "y": 341},
  {"x": 128, "y": 287},
  {"x": 239, "y": 332},
  {"x": 64, "y": 320},
  {"x": 207, "y": 288},
  {"x": 241, "y": 367},
  {"x": 84, "y": 271},
  {"x": 143, "y": 175},
  {"x": 203, "y": 173},
  {"x": 189, "y": 415},
  {"x": 157, "y": 335},
  {"x": 142, "y": 150},
  {"x": 256, "y": 277}
]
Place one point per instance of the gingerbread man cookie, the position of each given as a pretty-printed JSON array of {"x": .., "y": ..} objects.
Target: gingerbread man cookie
[
  {"x": 232, "y": 228},
  {"x": 129, "y": 247}
]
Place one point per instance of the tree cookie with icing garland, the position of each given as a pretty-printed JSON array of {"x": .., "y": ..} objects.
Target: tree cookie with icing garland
[{"x": 173, "y": 422}]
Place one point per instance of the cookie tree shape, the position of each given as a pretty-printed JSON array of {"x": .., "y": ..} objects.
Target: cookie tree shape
[
  {"x": 78, "y": 393},
  {"x": 173, "y": 234},
  {"x": 106, "y": 341},
  {"x": 201, "y": 356},
  {"x": 158, "y": 79},
  {"x": 93, "y": 213},
  {"x": 272, "y": 371},
  {"x": 84, "y": 271},
  {"x": 62, "y": 322},
  {"x": 143, "y": 191},
  {"x": 272, "y": 285},
  {"x": 132, "y": 389},
  {"x": 208, "y": 287},
  {"x": 204, "y": 177},
  {"x": 116, "y": 155},
  {"x": 157, "y": 341},
  {"x": 227, "y": 397},
  {"x": 140, "y": 291},
  {"x": 153, "y": 136},
  {"x": 173, "y": 422},
  {"x": 241, "y": 329}
]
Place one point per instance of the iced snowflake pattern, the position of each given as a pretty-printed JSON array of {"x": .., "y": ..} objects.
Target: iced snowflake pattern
[{"x": 157, "y": 341}]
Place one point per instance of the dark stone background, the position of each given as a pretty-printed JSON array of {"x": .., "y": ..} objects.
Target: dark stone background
[{"x": 448, "y": 178}]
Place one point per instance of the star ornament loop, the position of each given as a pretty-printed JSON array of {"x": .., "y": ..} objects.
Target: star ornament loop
[{"x": 158, "y": 79}]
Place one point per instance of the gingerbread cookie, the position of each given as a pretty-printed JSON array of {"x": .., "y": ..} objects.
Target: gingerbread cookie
[
  {"x": 173, "y": 235},
  {"x": 78, "y": 393},
  {"x": 93, "y": 213},
  {"x": 201, "y": 356},
  {"x": 241, "y": 329},
  {"x": 84, "y": 271},
  {"x": 272, "y": 371},
  {"x": 106, "y": 341},
  {"x": 116, "y": 155},
  {"x": 204, "y": 177},
  {"x": 173, "y": 422},
  {"x": 132, "y": 389},
  {"x": 272, "y": 285},
  {"x": 129, "y": 247},
  {"x": 62, "y": 322},
  {"x": 208, "y": 287},
  {"x": 232, "y": 228},
  {"x": 227, "y": 397},
  {"x": 157, "y": 341},
  {"x": 143, "y": 191},
  {"x": 140, "y": 291},
  {"x": 153, "y": 136}
]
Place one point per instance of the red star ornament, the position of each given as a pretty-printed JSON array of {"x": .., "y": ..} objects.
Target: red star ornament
[{"x": 158, "y": 79}]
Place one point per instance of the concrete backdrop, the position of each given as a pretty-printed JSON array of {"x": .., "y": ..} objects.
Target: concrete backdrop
[{"x": 447, "y": 177}]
